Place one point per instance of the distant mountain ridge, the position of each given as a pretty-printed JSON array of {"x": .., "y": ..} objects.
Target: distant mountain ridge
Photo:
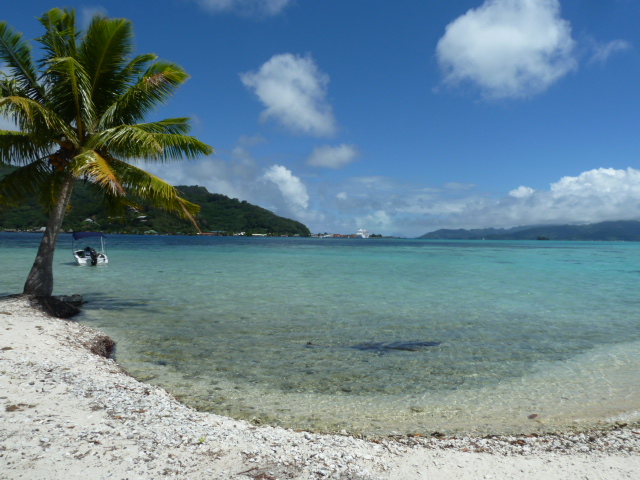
[{"x": 620, "y": 230}]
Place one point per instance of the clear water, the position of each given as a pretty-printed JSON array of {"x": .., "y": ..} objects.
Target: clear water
[{"x": 268, "y": 329}]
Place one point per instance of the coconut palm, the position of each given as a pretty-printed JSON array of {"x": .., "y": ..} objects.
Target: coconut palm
[{"x": 79, "y": 115}]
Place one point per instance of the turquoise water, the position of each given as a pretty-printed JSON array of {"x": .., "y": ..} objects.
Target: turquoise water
[{"x": 276, "y": 330}]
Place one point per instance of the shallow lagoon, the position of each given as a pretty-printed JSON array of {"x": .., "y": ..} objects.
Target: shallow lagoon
[{"x": 265, "y": 329}]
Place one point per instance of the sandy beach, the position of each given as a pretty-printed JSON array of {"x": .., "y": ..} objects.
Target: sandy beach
[{"x": 67, "y": 413}]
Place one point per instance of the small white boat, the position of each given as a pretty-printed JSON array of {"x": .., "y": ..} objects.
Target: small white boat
[{"x": 88, "y": 255}]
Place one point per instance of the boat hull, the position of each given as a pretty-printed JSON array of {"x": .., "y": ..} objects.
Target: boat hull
[{"x": 82, "y": 259}]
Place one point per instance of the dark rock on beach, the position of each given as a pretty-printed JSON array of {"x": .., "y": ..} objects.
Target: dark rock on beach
[{"x": 102, "y": 345}]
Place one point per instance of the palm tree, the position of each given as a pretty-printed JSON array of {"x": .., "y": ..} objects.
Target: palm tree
[{"x": 79, "y": 115}]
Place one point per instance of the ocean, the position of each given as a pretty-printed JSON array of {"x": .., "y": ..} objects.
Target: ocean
[{"x": 368, "y": 336}]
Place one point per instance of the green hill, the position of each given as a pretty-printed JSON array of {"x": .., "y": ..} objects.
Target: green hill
[
  {"x": 218, "y": 213},
  {"x": 621, "y": 230}
]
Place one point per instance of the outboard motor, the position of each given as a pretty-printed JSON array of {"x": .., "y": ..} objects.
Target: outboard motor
[
  {"x": 94, "y": 258},
  {"x": 90, "y": 252}
]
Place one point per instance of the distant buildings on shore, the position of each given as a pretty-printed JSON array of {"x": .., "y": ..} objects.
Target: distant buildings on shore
[{"x": 361, "y": 234}]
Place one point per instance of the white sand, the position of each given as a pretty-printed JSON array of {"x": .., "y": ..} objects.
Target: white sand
[{"x": 66, "y": 413}]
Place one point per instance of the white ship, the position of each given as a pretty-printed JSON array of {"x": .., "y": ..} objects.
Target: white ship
[{"x": 363, "y": 233}]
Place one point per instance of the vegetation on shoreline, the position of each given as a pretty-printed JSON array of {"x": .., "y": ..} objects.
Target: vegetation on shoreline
[
  {"x": 218, "y": 213},
  {"x": 621, "y": 230}
]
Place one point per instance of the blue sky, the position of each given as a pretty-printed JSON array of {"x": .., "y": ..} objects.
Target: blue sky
[{"x": 401, "y": 117}]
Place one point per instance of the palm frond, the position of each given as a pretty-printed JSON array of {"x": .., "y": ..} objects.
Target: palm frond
[
  {"x": 152, "y": 90},
  {"x": 147, "y": 188},
  {"x": 10, "y": 86},
  {"x": 71, "y": 93},
  {"x": 115, "y": 205},
  {"x": 177, "y": 147},
  {"x": 96, "y": 169},
  {"x": 19, "y": 148},
  {"x": 104, "y": 51},
  {"x": 108, "y": 100},
  {"x": 136, "y": 141},
  {"x": 60, "y": 37},
  {"x": 176, "y": 126},
  {"x": 15, "y": 53},
  {"x": 31, "y": 116},
  {"x": 136, "y": 67}
]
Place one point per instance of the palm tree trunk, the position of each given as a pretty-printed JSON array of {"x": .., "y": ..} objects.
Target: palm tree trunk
[{"x": 40, "y": 279}]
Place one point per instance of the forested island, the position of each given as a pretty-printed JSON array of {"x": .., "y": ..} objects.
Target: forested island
[
  {"x": 621, "y": 230},
  {"x": 218, "y": 213}
]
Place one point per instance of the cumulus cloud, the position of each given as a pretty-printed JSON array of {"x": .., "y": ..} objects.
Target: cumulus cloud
[
  {"x": 605, "y": 183},
  {"x": 508, "y": 48},
  {"x": 602, "y": 52},
  {"x": 246, "y": 7},
  {"x": 290, "y": 186},
  {"x": 333, "y": 157},
  {"x": 522, "y": 192},
  {"x": 376, "y": 221},
  {"x": 293, "y": 90},
  {"x": 236, "y": 173},
  {"x": 593, "y": 196},
  {"x": 218, "y": 176}
]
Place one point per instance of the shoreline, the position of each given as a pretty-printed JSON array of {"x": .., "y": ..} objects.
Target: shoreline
[{"x": 69, "y": 413}]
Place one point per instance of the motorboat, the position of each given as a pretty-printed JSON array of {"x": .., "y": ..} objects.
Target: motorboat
[{"x": 89, "y": 255}]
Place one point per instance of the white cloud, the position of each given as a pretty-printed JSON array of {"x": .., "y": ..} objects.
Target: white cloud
[
  {"x": 216, "y": 175},
  {"x": 522, "y": 192},
  {"x": 602, "y": 52},
  {"x": 293, "y": 90},
  {"x": 333, "y": 157},
  {"x": 508, "y": 48},
  {"x": 290, "y": 186},
  {"x": 593, "y": 196},
  {"x": 444, "y": 207},
  {"x": 237, "y": 174},
  {"x": 375, "y": 222},
  {"x": 246, "y": 7},
  {"x": 605, "y": 183}
]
